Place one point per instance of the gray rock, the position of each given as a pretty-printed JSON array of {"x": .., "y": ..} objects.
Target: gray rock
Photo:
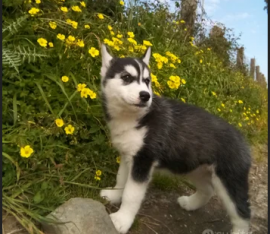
[{"x": 80, "y": 216}]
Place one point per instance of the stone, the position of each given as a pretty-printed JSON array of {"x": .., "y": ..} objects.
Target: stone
[{"x": 80, "y": 216}]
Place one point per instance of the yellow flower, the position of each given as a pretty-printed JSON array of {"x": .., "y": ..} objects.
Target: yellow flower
[
  {"x": 131, "y": 34},
  {"x": 98, "y": 172},
  {"x": 108, "y": 42},
  {"x": 93, "y": 52},
  {"x": 174, "y": 82},
  {"x": 65, "y": 79},
  {"x": 183, "y": 81},
  {"x": 122, "y": 3},
  {"x": 116, "y": 47},
  {"x": 240, "y": 125},
  {"x": 80, "y": 43},
  {"x": 185, "y": 29},
  {"x": 83, "y": 4},
  {"x": 112, "y": 33},
  {"x": 38, "y": 1},
  {"x": 179, "y": 60},
  {"x": 130, "y": 48},
  {"x": 80, "y": 87},
  {"x": 218, "y": 109},
  {"x": 70, "y": 40},
  {"x": 222, "y": 104},
  {"x": 182, "y": 21},
  {"x": 42, "y": 42},
  {"x": 159, "y": 65},
  {"x": 257, "y": 112},
  {"x": 87, "y": 26},
  {"x": 33, "y": 11},
  {"x": 61, "y": 37},
  {"x": 208, "y": 48},
  {"x": 100, "y": 16},
  {"x": 157, "y": 93},
  {"x": 64, "y": 9},
  {"x": 132, "y": 41},
  {"x": 139, "y": 24},
  {"x": 50, "y": 44},
  {"x": 84, "y": 92},
  {"x": 59, "y": 122},
  {"x": 201, "y": 60},
  {"x": 92, "y": 94},
  {"x": 240, "y": 101},
  {"x": 183, "y": 100},
  {"x": 26, "y": 151},
  {"x": 110, "y": 27},
  {"x": 119, "y": 36},
  {"x": 74, "y": 24},
  {"x": 118, "y": 159},
  {"x": 52, "y": 24},
  {"x": 97, "y": 178},
  {"x": 69, "y": 129},
  {"x": 213, "y": 93},
  {"x": 172, "y": 65},
  {"x": 147, "y": 43},
  {"x": 76, "y": 8}
]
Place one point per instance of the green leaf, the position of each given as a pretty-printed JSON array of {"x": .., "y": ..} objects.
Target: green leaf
[
  {"x": 15, "y": 109},
  {"x": 39, "y": 197}
]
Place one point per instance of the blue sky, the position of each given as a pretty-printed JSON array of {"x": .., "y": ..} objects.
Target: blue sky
[{"x": 248, "y": 18}]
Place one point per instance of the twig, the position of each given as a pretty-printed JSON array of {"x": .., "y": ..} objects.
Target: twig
[
  {"x": 156, "y": 224},
  {"x": 150, "y": 228},
  {"x": 15, "y": 231},
  {"x": 212, "y": 221},
  {"x": 157, "y": 221}
]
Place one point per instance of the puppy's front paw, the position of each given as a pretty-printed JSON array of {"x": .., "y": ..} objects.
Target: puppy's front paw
[
  {"x": 185, "y": 203},
  {"x": 112, "y": 195},
  {"x": 122, "y": 221}
]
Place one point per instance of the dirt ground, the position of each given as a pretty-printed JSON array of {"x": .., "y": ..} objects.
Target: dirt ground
[{"x": 160, "y": 213}]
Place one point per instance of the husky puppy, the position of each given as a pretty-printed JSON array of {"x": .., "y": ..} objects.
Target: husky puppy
[{"x": 152, "y": 132}]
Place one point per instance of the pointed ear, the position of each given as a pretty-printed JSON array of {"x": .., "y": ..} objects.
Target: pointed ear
[
  {"x": 106, "y": 57},
  {"x": 147, "y": 55}
]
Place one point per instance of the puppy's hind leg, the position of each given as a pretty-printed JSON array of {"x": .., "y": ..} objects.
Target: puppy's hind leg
[
  {"x": 233, "y": 191},
  {"x": 114, "y": 195},
  {"x": 201, "y": 178}
]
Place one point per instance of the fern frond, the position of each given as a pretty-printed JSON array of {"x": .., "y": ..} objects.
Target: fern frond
[
  {"x": 14, "y": 26},
  {"x": 31, "y": 55},
  {"x": 11, "y": 59}
]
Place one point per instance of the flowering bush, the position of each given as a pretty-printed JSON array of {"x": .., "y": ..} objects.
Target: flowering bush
[{"x": 55, "y": 141}]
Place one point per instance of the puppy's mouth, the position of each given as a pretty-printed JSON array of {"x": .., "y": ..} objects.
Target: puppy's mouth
[{"x": 141, "y": 105}]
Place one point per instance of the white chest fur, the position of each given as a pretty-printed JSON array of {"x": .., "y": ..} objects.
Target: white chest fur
[{"x": 125, "y": 137}]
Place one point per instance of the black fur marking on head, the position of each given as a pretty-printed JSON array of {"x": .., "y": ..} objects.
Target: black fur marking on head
[
  {"x": 104, "y": 107},
  {"x": 118, "y": 66}
]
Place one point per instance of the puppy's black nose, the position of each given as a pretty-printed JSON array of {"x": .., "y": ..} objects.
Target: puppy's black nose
[{"x": 144, "y": 96}]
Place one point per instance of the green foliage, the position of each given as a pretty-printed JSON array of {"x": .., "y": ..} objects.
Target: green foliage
[{"x": 35, "y": 95}]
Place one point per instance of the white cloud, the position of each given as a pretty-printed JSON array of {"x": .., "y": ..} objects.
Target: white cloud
[
  {"x": 239, "y": 16},
  {"x": 210, "y": 6}
]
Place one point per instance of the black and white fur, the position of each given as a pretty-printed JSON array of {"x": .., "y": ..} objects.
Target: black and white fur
[{"x": 151, "y": 132}]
